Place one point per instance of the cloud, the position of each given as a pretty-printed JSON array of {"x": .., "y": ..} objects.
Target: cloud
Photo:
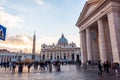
[
  {"x": 1, "y": 8},
  {"x": 40, "y": 2},
  {"x": 8, "y": 20},
  {"x": 17, "y": 42}
]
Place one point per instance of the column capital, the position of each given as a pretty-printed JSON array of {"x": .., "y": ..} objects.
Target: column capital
[
  {"x": 100, "y": 19},
  {"x": 113, "y": 9}
]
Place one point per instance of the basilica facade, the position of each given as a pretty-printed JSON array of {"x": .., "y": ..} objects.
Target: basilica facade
[{"x": 60, "y": 51}]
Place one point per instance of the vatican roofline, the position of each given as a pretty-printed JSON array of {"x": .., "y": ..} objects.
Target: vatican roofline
[{"x": 62, "y": 42}]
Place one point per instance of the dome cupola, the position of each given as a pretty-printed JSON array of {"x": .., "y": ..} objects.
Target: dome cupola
[{"x": 62, "y": 41}]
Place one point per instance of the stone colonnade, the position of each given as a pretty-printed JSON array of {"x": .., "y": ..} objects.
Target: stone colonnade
[
  {"x": 99, "y": 25},
  {"x": 108, "y": 39},
  {"x": 7, "y": 58}
]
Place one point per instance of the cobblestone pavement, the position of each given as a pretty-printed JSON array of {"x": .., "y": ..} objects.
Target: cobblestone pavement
[{"x": 67, "y": 73}]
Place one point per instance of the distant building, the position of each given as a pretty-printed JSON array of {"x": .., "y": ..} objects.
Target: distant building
[
  {"x": 7, "y": 56},
  {"x": 61, "y": 51}
]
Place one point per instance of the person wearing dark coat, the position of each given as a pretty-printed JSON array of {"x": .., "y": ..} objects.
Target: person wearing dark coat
[{"x": 100, "y": 68}]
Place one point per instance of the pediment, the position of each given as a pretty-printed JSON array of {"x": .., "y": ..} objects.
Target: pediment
[{"x": 88, "y": 8}]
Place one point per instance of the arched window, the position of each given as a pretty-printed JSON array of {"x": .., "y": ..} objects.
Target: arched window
[{"x": 43, "y": 57}]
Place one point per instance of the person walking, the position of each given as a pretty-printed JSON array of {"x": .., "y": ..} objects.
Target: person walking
[
  {"x": 20, "y": 67},
  {"x": 107, "y": 66},
  {"x": 14, "y": 66},
  {"x": 100, "y": 68},
  {"x": 29, "y": 66},
  {"x": 50, "y": 66},
  {"x": 117, "y": 69}
]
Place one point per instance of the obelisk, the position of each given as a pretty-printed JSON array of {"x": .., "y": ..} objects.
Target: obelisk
[{"x": 33, "y": 49}]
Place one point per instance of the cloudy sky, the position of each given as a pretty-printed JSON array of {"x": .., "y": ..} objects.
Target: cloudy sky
[{"x": 48, "y": 18}]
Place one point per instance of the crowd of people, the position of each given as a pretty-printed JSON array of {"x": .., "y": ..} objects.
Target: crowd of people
[
  {"x": 42, "y": 65},
  {"x": 49, "y": 65},
  {"x": 107, "y": 66}
]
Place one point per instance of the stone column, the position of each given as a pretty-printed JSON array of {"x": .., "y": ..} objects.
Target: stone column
[
  {"x": 83, "y": 47},
  {"x": 49, "y": 54},
  {"x": 53, "y": 54},
  {"x": 102, "y": 46},
  {"x": 114, "y": 26},
  {"x": 45, "y": 55},
  {"x": 59, "y": 55},
  {"x": 56, "y": 55},
  {"x": 4, "y": 58},
  {"x": 66, "y": 54},
  {"x": 88, "y": 41}
]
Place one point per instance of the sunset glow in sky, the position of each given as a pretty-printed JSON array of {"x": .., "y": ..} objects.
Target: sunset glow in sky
[{"x": 48, "y": 18}]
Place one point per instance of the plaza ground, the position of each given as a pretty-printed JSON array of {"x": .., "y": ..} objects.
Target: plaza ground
[{"x": 67, "y": 73}]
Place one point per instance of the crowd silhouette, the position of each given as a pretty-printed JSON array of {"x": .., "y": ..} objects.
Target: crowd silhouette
[{"x": 48, "y": 65}]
